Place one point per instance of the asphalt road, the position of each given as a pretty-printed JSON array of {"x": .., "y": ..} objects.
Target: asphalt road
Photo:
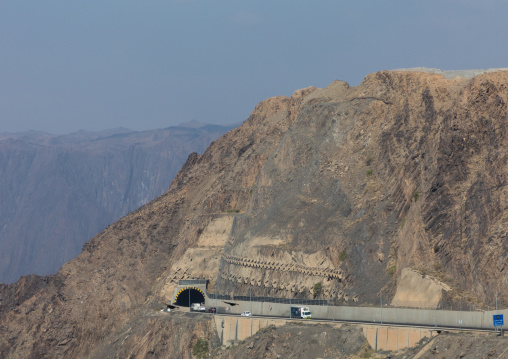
[{"x": 390, "y": 324}]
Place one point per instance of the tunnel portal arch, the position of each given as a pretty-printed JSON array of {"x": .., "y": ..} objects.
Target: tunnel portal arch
[{"x": 182, "y": 297}]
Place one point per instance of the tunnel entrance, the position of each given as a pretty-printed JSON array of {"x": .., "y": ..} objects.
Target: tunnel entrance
[{"x": 194, "y": 294}]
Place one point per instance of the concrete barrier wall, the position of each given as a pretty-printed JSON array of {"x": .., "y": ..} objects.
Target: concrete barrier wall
[
  {"x": 389, "y": 338},
  {"x": 438, "y": 318},
  {"x": 234, "y": 328},
  {"x": 231, "y": 329}
]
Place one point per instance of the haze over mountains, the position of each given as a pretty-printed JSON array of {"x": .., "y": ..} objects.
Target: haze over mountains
[
  {"x": 57, "y": 191},
  {"x": 397, "y": 186}
]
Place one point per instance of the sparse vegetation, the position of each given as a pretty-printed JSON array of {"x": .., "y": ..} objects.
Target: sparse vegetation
[
  {"x": 436, "y": 248},
  {"x": 366, "y": 352},
  {"x": 233, "y": 211},
  {"x": 200, "y": 349},
  {"x": 416, "y": 195},
  {"x": 438, "y": 266},
  {"x": 423, "y": 271},
  {"x": 369, "y": 161},
  {"x": 369, "y": 173},
  {"x": 317, "y": 289},
  {"x": 267, "y": 329},
  {"x": 342, "y": 255},
  {"x": 391, "y": 270},
  {"x": 403, "y": 223}
]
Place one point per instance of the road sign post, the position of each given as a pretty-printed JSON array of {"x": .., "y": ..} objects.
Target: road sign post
[{"x": 498, "y": 320}]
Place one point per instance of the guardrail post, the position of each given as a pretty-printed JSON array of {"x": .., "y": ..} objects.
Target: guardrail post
[
  {"x": 333, "y": 303},
  {"x": 290, "y": 313},
  {"x": 435, "y": 316}
]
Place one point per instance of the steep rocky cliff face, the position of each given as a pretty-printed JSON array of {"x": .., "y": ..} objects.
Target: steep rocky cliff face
[
  {"x": 56, "y": 192},
  {"x": 350, "y": 186},
  {"x": 362, "y": 189}
]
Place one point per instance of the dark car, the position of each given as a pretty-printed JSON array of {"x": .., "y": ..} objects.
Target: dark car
[{"x": 212, "y": 310}]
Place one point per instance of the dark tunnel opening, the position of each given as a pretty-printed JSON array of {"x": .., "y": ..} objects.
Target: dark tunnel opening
[{"x": 195, "y": 297}]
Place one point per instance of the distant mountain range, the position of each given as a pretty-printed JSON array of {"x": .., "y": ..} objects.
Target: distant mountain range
[{"x": 57, "y": 191}]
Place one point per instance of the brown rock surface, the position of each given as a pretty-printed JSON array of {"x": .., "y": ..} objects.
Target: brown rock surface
[
  {"x": 344, "y": 185},
  {"x": 459, "y": 345},
  {"x": 301, "y": 341},
  {"x": 153, "y": 334}
]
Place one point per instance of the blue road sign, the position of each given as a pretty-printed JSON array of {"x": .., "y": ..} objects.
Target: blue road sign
[{"x": 498, "y": 320}]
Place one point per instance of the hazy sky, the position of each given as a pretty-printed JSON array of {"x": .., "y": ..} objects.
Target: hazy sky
[{"x": 70, "y": 65}]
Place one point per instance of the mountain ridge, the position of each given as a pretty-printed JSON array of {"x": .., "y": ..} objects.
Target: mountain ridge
[{"x": 405, "y": 171}]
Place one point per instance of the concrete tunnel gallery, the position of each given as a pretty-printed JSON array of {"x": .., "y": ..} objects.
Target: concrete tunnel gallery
[{"x": 189, "y": 295}]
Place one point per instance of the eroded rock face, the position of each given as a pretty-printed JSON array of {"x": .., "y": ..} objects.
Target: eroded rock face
[
  {"x": 346, "y": 186},
  {"x": 153, "y": 334},
  {"x": 455, "y": 345},
  {"x": 415, "y": 290},
  {"x": 303, "y": 341}
]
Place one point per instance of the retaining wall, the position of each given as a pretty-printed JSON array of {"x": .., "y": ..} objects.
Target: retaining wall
[
  {"x": 234, "y": 328},
  {"x": 446, "y": 318}
]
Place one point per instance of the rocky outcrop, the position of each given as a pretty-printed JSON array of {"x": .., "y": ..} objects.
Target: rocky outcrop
[
  {"x": 406, "y": 171},
  {"x": 153, "y": 334},
  {"x": 297, "y": 341},
  {"x": 415, "y": 290},
  {"x": 457, "y": 345}
]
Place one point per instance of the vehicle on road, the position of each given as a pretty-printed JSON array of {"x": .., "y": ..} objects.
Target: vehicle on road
[
  {"x": 301, "y": 312},
  {"x": 198, "y": 307},
  {"x": 246, "y": 314},
  {"x": 212, "y": 310}
]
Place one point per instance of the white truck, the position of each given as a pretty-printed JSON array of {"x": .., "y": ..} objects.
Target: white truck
[
  {"x": 198, "y": 307},
  {"x": 301, "y": 312}
]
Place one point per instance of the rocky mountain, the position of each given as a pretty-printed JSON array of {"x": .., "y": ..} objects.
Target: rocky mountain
[
  {"x": 396, "y": 186},
  {"x": 56, "y": 192}
]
